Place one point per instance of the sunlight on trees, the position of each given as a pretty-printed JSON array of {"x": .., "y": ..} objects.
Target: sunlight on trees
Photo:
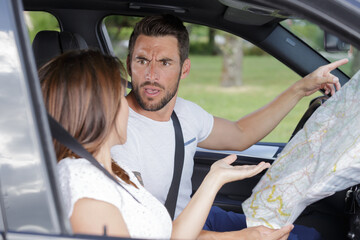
[{"x": 38, "y": 21}]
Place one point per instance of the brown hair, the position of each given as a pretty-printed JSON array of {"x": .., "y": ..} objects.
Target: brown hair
[
  {"x": 82, "y": 90},
  {"x": 159, "y": 26}
]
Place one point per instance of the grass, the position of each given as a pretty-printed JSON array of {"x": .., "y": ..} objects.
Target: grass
[{"x": 263, "y": 79}]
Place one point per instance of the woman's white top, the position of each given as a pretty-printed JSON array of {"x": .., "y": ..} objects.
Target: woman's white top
[{"x": 80, "y": 179}]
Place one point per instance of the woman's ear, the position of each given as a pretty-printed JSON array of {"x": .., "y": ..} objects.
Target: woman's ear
[{"x": 185, "y": 70}]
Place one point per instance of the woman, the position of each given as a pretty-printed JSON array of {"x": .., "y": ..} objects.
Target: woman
[{"x": 84, "y": 91}]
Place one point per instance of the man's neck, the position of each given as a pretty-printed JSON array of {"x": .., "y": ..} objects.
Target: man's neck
[{"x": 161, "y": 115}]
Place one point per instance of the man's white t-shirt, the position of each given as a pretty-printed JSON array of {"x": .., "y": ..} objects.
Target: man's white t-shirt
[{"x": 150, "y": 149}]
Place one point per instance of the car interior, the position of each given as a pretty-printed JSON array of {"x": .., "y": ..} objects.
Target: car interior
[
  {"x": 49, "y": 44},
  {"x": 81, "y": 27}
]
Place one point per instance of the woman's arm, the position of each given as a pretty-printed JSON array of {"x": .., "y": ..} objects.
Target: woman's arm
[
  {"x": 192, "y": 219},
  {"x": 96, "y": 217}
]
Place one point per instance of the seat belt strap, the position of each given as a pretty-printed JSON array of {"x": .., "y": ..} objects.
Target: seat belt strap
[
  {"x": 64, "y": 137},
  {"x": 172, "y": 196}
]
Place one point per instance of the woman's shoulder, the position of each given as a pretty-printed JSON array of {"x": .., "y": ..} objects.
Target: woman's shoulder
[
  {"x": 79, "y": 173},
  {"x": 75, "y": 162},
  {"x": 78, "y": 179},
  {"x": 76, "y": 167}
]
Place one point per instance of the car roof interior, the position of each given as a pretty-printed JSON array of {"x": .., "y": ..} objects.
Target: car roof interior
[{"x": 255, "y": 21}]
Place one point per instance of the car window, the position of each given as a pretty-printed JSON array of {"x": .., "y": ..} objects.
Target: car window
[
  {"x": 314, "y": 36},
  {"x": 28, "y": 200},
  {"x": 37, "y": 21},
  {"x": 262, "y": 76},
  {"x": 119, "y": 29}
]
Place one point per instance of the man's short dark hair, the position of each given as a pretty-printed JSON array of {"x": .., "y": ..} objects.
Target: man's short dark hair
[{"x": 160, "y": 26}]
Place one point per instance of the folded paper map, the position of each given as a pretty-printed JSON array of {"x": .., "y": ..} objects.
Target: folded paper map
[{"x": 322, "y": 158}]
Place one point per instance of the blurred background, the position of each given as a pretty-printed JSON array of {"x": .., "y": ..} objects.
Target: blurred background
[{"x": 229, "y": 76}]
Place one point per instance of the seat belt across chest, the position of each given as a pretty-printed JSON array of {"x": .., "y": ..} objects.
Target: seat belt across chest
[{"x": 173, "y": 193}]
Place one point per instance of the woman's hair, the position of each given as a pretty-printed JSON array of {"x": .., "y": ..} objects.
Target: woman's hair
[{"x": 82, "y": 90}]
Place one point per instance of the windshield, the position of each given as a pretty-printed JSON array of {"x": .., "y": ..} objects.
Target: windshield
[
  {"x": 352, "y": 3},
  {"x": 313, "y": 35}
]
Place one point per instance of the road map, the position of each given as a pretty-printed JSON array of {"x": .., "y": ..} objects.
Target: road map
[{"x": 322, "y": 158}]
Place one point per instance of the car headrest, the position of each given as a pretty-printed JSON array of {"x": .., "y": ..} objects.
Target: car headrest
[{"x": 49, "y": 44}]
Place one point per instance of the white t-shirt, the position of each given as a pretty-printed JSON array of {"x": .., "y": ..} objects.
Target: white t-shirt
[
  {"x": 80, "y": 179},
  {"x": 150, "y": 149}
]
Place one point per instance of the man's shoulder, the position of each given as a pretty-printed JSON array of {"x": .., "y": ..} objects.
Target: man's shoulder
[
  {"x": 181, "y": 101},
  {"x": 193, "y": 117},
  {"x": 189, "y": 107}
]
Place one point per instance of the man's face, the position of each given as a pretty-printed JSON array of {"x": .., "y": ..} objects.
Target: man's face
[{"x": 155, "y": 71}]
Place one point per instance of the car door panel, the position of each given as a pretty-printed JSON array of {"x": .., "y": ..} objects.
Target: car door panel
[
  {"x": 328, "y": 212},
  {"x": 232, "y": 194}
]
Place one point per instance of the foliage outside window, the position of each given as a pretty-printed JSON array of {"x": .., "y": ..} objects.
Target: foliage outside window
[
  {"x": 39, "y": 21},
  {"x": 313, "y": 35}
]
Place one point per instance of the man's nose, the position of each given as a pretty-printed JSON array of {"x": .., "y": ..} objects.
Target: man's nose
[{"x": 152, "y": 72}]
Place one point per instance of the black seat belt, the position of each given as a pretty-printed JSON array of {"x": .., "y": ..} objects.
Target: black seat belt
[
  {"x": 64, "y": 137},
  {"x": 172, "y": 196}
]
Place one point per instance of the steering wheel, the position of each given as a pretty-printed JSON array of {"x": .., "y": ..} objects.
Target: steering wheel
[{"x": 314, "y": 104}]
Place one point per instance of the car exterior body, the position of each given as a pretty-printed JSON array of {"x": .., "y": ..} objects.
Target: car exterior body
[{"x": 31, "y": 204}]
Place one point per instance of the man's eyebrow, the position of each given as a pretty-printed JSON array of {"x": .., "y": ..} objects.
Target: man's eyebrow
[
  {"x": 165, "y": 59},
  {"x": 141, "y": 58}
]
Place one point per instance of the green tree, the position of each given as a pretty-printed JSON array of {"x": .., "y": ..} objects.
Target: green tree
[
  {"x": 311, "y": 33},
  {"x": 232, "y": 51},
  {"x": 39, "y": 21},
  {"x": 119, "y": 29}
]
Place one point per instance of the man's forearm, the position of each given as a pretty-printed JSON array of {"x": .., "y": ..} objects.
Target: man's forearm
[
  {"x": 253, "y": 127},
  {"x": 261, "y": 122}
]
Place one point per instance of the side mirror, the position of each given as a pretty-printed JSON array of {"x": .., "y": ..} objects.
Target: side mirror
[{"x": 334, "y": 44}]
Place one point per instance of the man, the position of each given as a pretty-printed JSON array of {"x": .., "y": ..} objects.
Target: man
[{"x": 157, "y": 60}]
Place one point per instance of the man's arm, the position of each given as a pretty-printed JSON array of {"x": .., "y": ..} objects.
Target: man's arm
[{"x": 245, "y": 132}]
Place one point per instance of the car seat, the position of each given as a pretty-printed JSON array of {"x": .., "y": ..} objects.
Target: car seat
[{"x": 49, "y": 44}]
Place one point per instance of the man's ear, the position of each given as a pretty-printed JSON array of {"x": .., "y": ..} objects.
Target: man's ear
[
  {"x": 128, "y": 65},
  {"x": 185, "y": 70}
]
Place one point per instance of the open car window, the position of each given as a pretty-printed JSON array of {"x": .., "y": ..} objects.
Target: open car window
[
  {"x": 316, "y": 37},
  {"x": 37, "y": 21},
  {"x": 262, "y": 76}
]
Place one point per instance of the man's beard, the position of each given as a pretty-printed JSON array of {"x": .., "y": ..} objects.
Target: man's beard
[{"x": 148, "y": 106}]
